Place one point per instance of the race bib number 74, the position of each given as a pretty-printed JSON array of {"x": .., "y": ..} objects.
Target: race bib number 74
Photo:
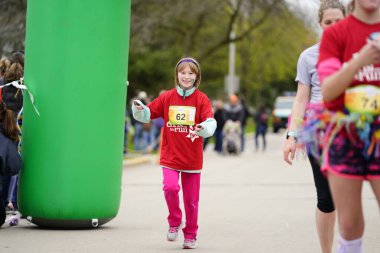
[
  {"x": 363, "y": 99},
  {"x": 182, "y": 115}
]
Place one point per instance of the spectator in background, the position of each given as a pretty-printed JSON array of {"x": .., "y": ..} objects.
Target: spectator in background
[
  {"x": 11, "y": 95},
  {"x": 13, "y": 99},
  {"x": 127, "y": 129},
  {"x": 157, "y": 124},
  {"x": 261, "y": 121},
  {"x": 235, "y": 112},
  {"x": 4, "y": 65},
  {"x": 11, "y": 159},
  {"x": 17, "y": 57},
  {"x": 141, "y": 137},
  {"x": 220, "y": 117},
  {"x": 246, "y": 114}
]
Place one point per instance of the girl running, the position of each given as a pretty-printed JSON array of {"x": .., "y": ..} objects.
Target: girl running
[{"x": 188, "y": 117}]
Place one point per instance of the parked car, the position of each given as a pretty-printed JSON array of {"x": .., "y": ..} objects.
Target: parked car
[{"x": 281, "y": 112}]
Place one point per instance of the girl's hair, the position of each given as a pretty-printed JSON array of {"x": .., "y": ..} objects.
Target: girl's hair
[
  {"x": 4, "y": 65},
  {"x": 330, "y": 4},
  {"x": 194, "y": 66},
  {"x": 14, "y": 73},
  {"x": 9, "y": 124},
  {"x": 351, "y": 6}
]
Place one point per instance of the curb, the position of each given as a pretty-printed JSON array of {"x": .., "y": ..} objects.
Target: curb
[{"x": 139, "y": 160}]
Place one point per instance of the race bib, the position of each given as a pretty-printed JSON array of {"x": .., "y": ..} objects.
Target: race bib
[
  {"x": 182, "y": 115},
  {"x": 363, "y": 99}
]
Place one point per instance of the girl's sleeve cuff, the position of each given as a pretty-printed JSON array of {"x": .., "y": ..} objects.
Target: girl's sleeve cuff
[
  {"x": 141, "y": 115},
  {"x": 209, "y": 126}
]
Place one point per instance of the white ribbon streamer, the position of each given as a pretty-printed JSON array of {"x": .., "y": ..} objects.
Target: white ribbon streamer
[{"x": 19, "y": 84}]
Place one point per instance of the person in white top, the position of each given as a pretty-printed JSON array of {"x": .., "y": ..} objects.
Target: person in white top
[{"x": 309, "y": 91}]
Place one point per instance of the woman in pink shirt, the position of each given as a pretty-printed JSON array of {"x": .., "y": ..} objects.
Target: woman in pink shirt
[{"x": 349, "y": 71}]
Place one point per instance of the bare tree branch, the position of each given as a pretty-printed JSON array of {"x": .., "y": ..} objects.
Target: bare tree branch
[{"x": 225, "y": 40}]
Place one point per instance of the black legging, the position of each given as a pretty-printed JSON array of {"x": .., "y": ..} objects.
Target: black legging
[{"x": 325, "y": 202}]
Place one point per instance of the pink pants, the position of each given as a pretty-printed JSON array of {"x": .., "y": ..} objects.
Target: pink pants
[{"x": 190, "y": 187}]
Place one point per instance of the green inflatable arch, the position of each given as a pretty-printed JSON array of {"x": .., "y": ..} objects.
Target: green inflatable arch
[{"x": 76, "y": 68}]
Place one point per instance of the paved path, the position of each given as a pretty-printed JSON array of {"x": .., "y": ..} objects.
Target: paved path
[{"x": 251, "y": 203}]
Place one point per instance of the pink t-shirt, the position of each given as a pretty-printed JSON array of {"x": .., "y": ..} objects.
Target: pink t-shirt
[{"x": 339, "y": 44}]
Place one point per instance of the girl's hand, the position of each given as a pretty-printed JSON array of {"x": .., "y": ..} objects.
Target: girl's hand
[
  {"x": 137, "y": 105},
  {"x": 198, "y": 128},
  {"x": 289, "y": 150},
  {"x": 369, "y": 54}
]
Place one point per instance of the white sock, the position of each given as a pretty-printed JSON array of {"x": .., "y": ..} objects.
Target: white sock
[{"x": 352, "y": 246}]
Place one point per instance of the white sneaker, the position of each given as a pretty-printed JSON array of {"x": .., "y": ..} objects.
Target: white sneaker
[
  {"x": 12, "y": 219},
  {"x": 190, "y": 244},
  {"x": 173, "y": 233}
]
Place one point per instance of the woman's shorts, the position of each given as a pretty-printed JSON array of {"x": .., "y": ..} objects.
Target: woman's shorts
[{"x": 346, "y": 158}]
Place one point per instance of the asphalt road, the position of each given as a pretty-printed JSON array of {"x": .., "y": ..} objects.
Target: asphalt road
[{"x": 249, "y": 203}]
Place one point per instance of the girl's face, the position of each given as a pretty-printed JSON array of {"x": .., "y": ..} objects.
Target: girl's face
[
  {"x": 186, "y": 77},
  {"x": 330, "y": 17},
  {"x": 368, "y": 5}
]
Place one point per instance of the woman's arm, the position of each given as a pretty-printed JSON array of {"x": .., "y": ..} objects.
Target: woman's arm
[
  {"x": 299, "y": 106},
  {"x": 298, "y": 112},
  {"x": 335, "y": 84}
]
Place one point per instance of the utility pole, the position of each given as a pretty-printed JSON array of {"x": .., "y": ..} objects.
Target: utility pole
[
  {"x": 231, "y": 81},
  {"x": 231, "y": 64}
]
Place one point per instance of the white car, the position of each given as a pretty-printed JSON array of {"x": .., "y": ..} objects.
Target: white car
[{"x": 281, "y": 112}]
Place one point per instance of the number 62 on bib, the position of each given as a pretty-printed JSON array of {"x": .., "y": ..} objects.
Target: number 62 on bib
[{"x": 182, "y": 115}]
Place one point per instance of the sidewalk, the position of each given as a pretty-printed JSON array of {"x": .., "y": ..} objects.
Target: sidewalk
[{"x": 140, "y": 159}]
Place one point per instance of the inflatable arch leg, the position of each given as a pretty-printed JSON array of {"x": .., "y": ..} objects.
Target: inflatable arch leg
[{"x": 76, "y": 68}]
